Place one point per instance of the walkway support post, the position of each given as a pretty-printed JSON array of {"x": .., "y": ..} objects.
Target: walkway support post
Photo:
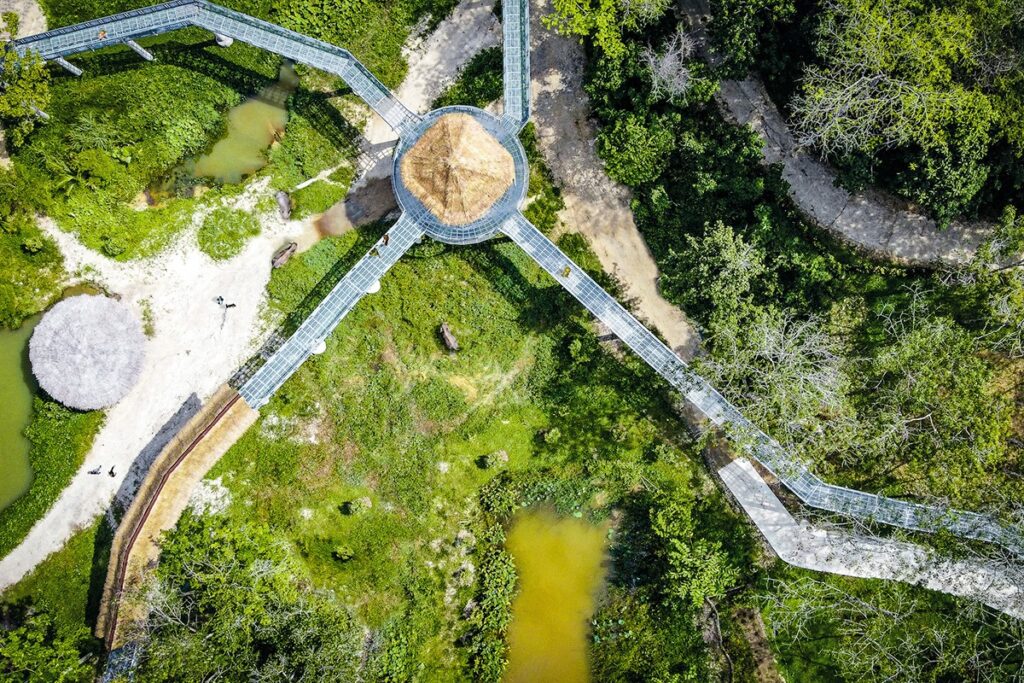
[
  {"x": 68, "y": 66},
  {"x": 139, "y": 50}
]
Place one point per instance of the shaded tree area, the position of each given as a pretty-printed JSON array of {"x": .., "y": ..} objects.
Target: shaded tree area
[
  {"x": 226, "y": 603},
  {"x": 835, "y": 628},
  {"x": 897, "y": 381},
  {"x": 921, "y": 99}
]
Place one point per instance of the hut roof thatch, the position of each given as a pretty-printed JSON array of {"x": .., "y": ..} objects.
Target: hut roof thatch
[
  {"x": 87, "y": 351},
  {"x": 457, "y": 169}
]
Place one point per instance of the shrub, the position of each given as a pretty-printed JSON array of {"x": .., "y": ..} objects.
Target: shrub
[{"x": 224, "y": 232}]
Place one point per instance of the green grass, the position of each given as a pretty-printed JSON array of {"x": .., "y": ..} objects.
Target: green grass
[
  {"x": 478, "y": 84},
  {"x": 59, "y": 438},
  {"x": 225, "y": 231},
  {"x": 68, "y": 583},
  {"x": 387, "y": 413}
]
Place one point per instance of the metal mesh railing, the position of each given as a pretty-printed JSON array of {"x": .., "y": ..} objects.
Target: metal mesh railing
[
  {"x": 120, "y": 28},
  {"x": 515, "y": 29},
  {"x": 794, "y": 474}
]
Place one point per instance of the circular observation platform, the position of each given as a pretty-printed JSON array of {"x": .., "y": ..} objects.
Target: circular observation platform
[{"x": 460, "y": 174}]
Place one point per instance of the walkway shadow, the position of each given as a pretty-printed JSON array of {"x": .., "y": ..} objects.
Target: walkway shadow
[{"x": 144, "y": 460}]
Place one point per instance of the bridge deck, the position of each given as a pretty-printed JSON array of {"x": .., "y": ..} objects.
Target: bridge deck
[
  {"x": 325, "y": 317},
  {"x": 148, "y": 21},
  {"x": 515, "y": 29},
  {"x": 794, "y": 474}
]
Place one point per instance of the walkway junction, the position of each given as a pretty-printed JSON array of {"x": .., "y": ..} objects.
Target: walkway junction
[{"x": 477, "y": 172}]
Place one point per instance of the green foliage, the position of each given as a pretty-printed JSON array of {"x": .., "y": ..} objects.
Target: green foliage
[
  {"x": 604, "y": 21},
  {"x": 835, "y": 628},
  {"x": 737, "y": 26},
  {"x": 66, "y": 585},
  {"x": 31, "y": 266},
  {"x": 319, "y": 196},
  {"x": 243, "y": 612},
  {"x": 34, "y": 652},
  {"x": 225, "y": 231},
  {"x": 26, "y": 87},
  {"x": 478, "y": 84},
  {"x": 543, "y": 196},
  {"x": 59, "y": 438},
  {"x": 715, "y": 276},
  {"x": 636, "y": 150}
]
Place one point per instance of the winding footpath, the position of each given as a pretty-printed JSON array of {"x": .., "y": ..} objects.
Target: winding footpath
[{"x": 879, "y": 224}]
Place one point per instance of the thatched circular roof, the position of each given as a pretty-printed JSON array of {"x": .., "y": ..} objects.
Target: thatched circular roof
[
  {"x": 457, "y": 169},
  {"x": 87, "y": 351}
]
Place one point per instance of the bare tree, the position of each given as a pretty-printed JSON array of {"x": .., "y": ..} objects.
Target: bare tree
[{"x": 670, "y": 74}]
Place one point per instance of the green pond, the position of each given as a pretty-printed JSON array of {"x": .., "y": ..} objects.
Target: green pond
[
  {"x": 561, "y": 566},
  {"x": 252, "y": 127},
  {"x": 16, "y": 389}
]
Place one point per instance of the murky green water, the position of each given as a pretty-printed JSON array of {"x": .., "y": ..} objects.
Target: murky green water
[
  {"x": 252, "y": 127},
  {"x": 560, "y": 562},
  {"x": 16, "y": 389}
]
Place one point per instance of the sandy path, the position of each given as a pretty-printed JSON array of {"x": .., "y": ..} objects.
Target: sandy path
[
  {"x": 195, "y": 349},
  {"x": 880, "y": 224},
  {"x": 595, "y": 206}
]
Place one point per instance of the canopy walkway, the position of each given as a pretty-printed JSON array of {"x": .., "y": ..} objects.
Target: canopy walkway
[
  {"x": 125, "y": 28},
  {"x": 503, "y": 217}
]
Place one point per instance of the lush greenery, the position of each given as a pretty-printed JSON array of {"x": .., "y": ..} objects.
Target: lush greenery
[
  {"x": 922, "y": 98},
  {"x": 47, "y": 616},
  {"x": 60, "y": 438},
  {"x": 225, "y": 231},
  {"x": 226, "y": 602},
  {"x": 903, "y": 382},
  {"x": 832, "y": 628}
]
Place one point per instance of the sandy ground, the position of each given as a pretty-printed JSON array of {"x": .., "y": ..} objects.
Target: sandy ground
[
  {"x": 595, "y": 206},
  {"x": 196, "y": 347}
]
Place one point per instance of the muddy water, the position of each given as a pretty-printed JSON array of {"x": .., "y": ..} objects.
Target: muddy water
[
  {"x": 560, "y": 562},
  {"x": 252, "y": 127},
  {"x": 16, "y": 388}
]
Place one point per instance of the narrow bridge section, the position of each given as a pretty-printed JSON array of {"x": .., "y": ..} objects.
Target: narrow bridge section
[
  {"x": 515, "y": 28},
  {"x": 794, "y": 474},
  {"x": 325, "y": 317},
  {"x": 127, "y": 27}
]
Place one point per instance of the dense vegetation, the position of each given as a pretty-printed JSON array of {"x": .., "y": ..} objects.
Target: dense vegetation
[
  {"x": 900, "y": 382},
  {"x": 922, "y": 98}
]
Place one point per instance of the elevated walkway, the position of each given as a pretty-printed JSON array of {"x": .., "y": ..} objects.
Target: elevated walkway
[
  {"x": 750, "y": 439},
  {"x": 258, "y": 389},
  {"x": 59, "y": 44}
]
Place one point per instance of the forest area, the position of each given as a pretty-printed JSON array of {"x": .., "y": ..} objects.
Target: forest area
[{"x": 358, "y": 530}]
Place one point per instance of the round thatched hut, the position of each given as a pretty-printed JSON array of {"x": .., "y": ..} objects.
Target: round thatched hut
[
  {"x": 87, "y": 351},
  {"x": 457, "y": 169}
]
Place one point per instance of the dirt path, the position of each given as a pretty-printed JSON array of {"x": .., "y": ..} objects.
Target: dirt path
[
  {"x": 595, "y": 206},
  {"x": 878, "y": 223}
]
